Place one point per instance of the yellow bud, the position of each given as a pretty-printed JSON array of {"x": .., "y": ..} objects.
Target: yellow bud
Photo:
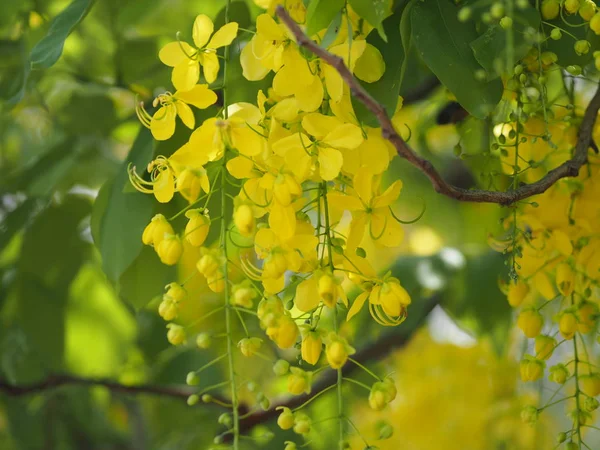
[
  {"x": 567, "y": 325},
  {"x": 285, "y": 421},
  {"x": 176, "y": 334},
  {"x": 156, "y": 230},
  {"x": 559, "y": 374},
  {"x": 269, "y": 311},
  {"x": 286, "y": 332},
  {"x": 203, "y": 340},
  {"x": 243, "y": 217},
  {"x": 208, "y": 264},
  {"x": 531, "y": 368},
  {"x": 243, "y": 294},
  {"x": 216, "y": 282},
  {"x": 530, "y": 322},
  {"x": 587, "y": 10},
  {"x": 312, "y": 345},
  {"x": 517, "y": 293},
  {"x": 328, "y": 290},
  {"x": 167, "y": 309},
  {"x": 336, "y": 354},
  {"x": 572, "y": 6},
  {"x": 588, "y": 316},
  {"x": 275, "y": 265},
  {"x": 529, "y": 414},
  {"x": 170, "y": 250},
  {"x": 302, "y": 424},
  {"x": 595, "y": 23},
  {"x": 565, "y": 279},
  {"x": 299, "y": 381},
  {"x": 550, "y": 9},
  {"x": 544, "y": 346},
  {"x": 197, "y": 227},
  {"x": 249, "y": 346},
  {"x": 590, "y": 384},
  {"x": 175, "y": 292},
  {"x": 377, "y": 399}
]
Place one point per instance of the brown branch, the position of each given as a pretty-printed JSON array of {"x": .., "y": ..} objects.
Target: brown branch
[
  {"x": 56, "y": 381},
  {"x": 375, "y": 351},
  {"x": 568, "y": 169}
]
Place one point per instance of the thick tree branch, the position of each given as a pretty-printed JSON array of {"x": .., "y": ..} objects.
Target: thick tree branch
[
  {"x": 568, "y": 169},
  {"x": 394, "y": 339},
  {"x": 55, "y": 381}
]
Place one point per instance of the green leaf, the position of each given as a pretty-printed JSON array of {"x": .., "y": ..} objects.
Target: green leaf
[
  {"x": 320, "y": 14},
  {"x": 332, "y": 31},
  {"x": 127, "y": 213},
  {"x": 17, "y": 219},
  {"x": 490, "y": 49},
  {"x": 14, "y": 70},
  {"x": 47, "y": 51},
  {"x": 564, "y": 47},
  {"x": 387, "y": 89},
  {"x": 373, "y": 11},
  {"x": 443, "y": 44}
]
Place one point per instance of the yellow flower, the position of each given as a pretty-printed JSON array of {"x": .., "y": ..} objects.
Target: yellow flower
[
  {"x": 162, "y": 122},
  {"x": 388, "y": 302},
  {"x": 299, "y": 381},
  {"x": 265, "y": 50},
  {"x": 249, "y": 346},
  {"x": 324, "y": 151},
  {"x": 382, "y": 393},
  {"x": 321, "y": 286},
  {"x": 243, "y": 293},
  {"x": 186, "y": 59},
  {"x": 285, "y": 333},
  {"x": 197, "y": 227},
  {"x": 559, "y": 374},
  {"x": 312, "y": 346},
  {"x": 531, "y": 368},
  {"x": 371, "y": 210},
  {"x": 170, "y": 250},
  {"x": 155, "y": 231},
  {"x": 337, "y": 351},
  {"x": 530, "y": 321}
]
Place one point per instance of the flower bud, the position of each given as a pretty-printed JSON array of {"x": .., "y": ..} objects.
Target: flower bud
[
  {"x": 243, "y": 294},
  {"x": 170, "y": 249},
  {"x": 275, "y": 265},
  {"x": 192, "y": 399},
  {"x": 555, "y": 34},
  {"x": 286, "y": 332},
  {"x": 559, "y": 374},
  {"x": 590, "y": 404},
  {"x": 176, "y": 334},
  {"x": 289, "y": 445},
  {"x": 208, "y": 264},
  {"x": 207, "y": 398},
  {"x": 386, "y": 431},
  {"x": 531, "y": 368},
  {"x": 192, "y": 379},
  {"x": 225, "y": 420},
  {"x": 155, "y": 231},
  {"x": 249, "y": 346},
  {"x": 285, "y": 421},
  {"x": 582, "y": 47},
  {"x": 299, "y": 381},
  {"x": 265, "y": 404},
  {"x": 517, "y": 293},
  {"x": 464, "y": 14},
  {"x": 337, "y": 351},
  {"x": 243, "y": 217},
  {"x": 590, "y": 384},
  {"x": 550, "y": 9},
  {"x": 203, "y": 340},
  {"x": 587, "y": 10},
  {"x": 311, "y": 348},
  {"x": 328, "y": 290},
  {"x": 595, "y": 23},
  {"x": 302, "y": 424},
  {"x": 216, "y": 282},
  {"x": 587, "y": 313},
  {"x": 565, "y": 279},
  {"x": 175, "y": 292},
  {"x": 561, "y": 437},
  {"x": 567, "y": 324},
  {"x": 544, "y": 347},
  {"x": 281, "y": 367},
  {"x": 529, "y": 414},
  {"x": 530, "y": 321},
  {"x": 167, "y": 309},
  {"x": 572, "y": 6},
  {"x": 269, "y": 311},
  {"x": 197, "y": 227}
]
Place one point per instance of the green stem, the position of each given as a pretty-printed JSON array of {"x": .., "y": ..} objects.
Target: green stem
[{"x": 577, "y": 391}]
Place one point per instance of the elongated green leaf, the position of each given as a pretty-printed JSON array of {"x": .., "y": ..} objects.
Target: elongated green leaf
[
  {"x": 387, "y": 89},
  {"x": 127, "y": 213},
  {"x": 320, "y": 13},
  {"x": 491, "y": 48},
  {"x": 443, "y": 44},
  {"x": 47, "y": 51},
  {"x": 14, "y": 71},
  {"x": 373, "y": 11}
]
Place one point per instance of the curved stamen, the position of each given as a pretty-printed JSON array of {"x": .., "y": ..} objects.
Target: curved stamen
[
  {"x": 251, "y": 271},
  {"x": 408, "y": 222}
]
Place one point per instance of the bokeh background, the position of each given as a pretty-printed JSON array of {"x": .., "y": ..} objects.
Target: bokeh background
[{"x": 78, "y": 294}]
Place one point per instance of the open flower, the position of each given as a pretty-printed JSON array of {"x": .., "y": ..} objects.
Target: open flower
[
  {"x": 388, "y": 302},
  {"x": 162, "y": 122},
  {"x": 186, "y": 59}
]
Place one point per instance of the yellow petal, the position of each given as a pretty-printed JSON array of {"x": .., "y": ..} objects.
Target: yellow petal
[
  {"x": 357, "y": 230},
  {"x": 268, "y": 28},
  {"x": 210, "y": 63},
  {"x": 370, "y": 66},
  {"x": 307, "y": 295},
  {"x": 343, "y": 202},
  {"x": 357, "y": 305},
  {"x": 299, "y": 162},
  {"x": 264, "y": 241},
  {"x": 185, "y": 114},
  {"x": 175, "y": 52},
  {"x": 310, "y": 97},
  {"x": 357, "y": 49},
  {"x": 294, "y": 142},
  {"x": 247, "y": 141},
  {"x": 203, "y": 28},
  {"x": 330, "y": 163},
  {"x": 392, "y": 235},
  {"x": 318, "y": 125},
  {"x": 363, "y": 184},
  {"x": 199, "y": 96},
  {"x": 252, "y": 67},
  {"x": 389, "y": 196},
  {"x": 284, "y": 83},
  {"x": 334, "y": 83},
  {"x": 345, "y": 136},
  {"x": 240, "y": 167},
  {"x": 162, "y": 124},
  {"x": 282, "y": 220},
  {"x": 273, "y": 285},
  {"x": 224, "y": 35},
  {"x": 373, "y": 153},
  {"x": 285, "y": 110},
  {"x": 164, "y": 186},
  {"x": 185, "y": 75}
]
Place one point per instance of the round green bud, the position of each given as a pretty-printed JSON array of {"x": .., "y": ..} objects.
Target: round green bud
[
  {"x": 192, "y": 379},
  {"x": 555, "y": 34},
  {"x": 497, "y": 10},
  {"x": 486, "y": 17},
  {"x": 386, "y": 431},
  {"x": 203, "y": 340},
  {"x": 207, "y": 398},
  {"x": 522, "y": 4},
  {"x": 506, "y": 23},
  {"x": 225, "y": 420},
  {"x": 281, "y": 367},
  {"x": 518, "y": 70},
  {"x": 265, "y": 404},
  {"x": 464, "y": 14},
  {"x": 193, "y": 399},
  {"x": 480, "y": 75},
  {"x": 574, "y": 70},
  {"x": 218, "y": 440},
  {"x": 582, "y": 47}
]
